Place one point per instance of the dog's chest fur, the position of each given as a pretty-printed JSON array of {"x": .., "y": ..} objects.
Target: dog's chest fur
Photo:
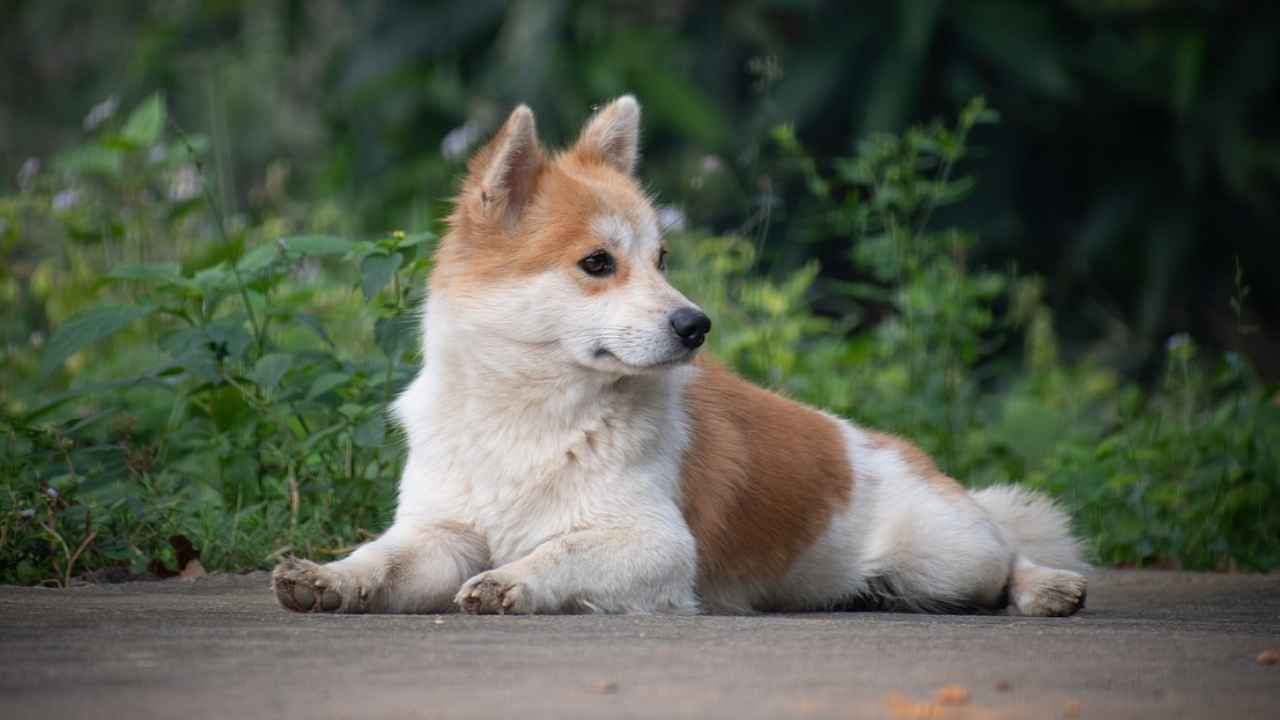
[{"x": 524, "y": 463}]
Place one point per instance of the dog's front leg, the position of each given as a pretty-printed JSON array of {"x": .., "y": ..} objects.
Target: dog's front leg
[
  {"x": 616, "y": 570},
  {"x": 411, "y": 568}
]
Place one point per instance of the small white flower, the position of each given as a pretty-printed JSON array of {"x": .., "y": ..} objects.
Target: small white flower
[
  {"x": 184, "y": 184},
  {"x": 459, "y": 140},
  {"x": 100, "y": 113},
  {"x": 672, "y": 218},
  {"x": 66, "y": 200},
  {"x": 27, "y": 173}
]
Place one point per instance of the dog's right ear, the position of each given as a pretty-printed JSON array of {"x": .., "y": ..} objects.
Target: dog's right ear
[{"x": 501, "y": 177}]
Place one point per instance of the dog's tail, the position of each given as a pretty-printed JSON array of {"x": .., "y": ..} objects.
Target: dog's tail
[
  {"x": 1046, "y": 576},
  {"x": 1034, "y": 524}
]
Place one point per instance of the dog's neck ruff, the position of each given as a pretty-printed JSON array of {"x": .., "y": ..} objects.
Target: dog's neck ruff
[{"x": 487, "y": 383}]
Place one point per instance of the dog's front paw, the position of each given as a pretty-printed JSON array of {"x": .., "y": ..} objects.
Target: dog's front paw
[
  {"x": 495, "y": 592},
  {"x": 304, "y": 586}
]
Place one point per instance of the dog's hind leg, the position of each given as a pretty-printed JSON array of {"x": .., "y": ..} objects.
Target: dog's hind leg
[
  {"x": 406, "y": 570},
  {"x": 936, "y": 553}
]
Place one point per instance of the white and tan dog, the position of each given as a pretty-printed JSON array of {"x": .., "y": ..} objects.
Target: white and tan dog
[{"x": 567, "y": 453}]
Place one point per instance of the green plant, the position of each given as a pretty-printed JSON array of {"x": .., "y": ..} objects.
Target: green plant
[
  {"x": 224, "y": 380},
  {"x": 240, "y": 423}
]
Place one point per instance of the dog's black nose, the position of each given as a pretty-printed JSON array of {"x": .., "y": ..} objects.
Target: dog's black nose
[{"x": 691, "y": 325}]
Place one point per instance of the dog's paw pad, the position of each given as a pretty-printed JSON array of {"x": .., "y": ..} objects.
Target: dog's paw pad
[
  {"x": 304, "y": 586},
  {"x": 493, "y": 593},
  {"x": 1052, "y": 593}
]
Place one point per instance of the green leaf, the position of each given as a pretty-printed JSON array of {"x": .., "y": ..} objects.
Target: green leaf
[
  {"x": 146, "y": 271},
  {"x": 415, "y": 239},
  {"x": 258, "y": 258},
  {"x": 371, "y": 432},
  {"x": 316, "y": 245},
  {"x": 314, "y": 324},
  {"x": 327, "y": 382},
  {"x": 394, "y": 334},
  {"x": 376, "y": 272},
  {"x": 270, "y": 369},
  {"x": 214, "y": 278},
  {"x": 91, "y": 159},
  {"x": 85, "y": 328},
  {"x": 146, "y": 122}
]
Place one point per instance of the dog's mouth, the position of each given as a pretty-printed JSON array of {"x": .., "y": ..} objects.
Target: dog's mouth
[{"x": 603, "y": 353}]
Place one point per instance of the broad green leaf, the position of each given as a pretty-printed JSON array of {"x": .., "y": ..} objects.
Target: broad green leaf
[
  {"x": 371, "y": 432},
  {"x": 146, "y": 271},
  {"x": 146, "y": 122},
  {"x": 314, "y": 324},
  {"x": 189, "y": 146},
  {"x": 228, "y": 335},
  {"x": 414, "y": 239},
  {"x": 258, "y": 258},
  {"x": 270, "y": 369},
  {"x": 85, "y": 328},
  {"x": 316, "y": 245},
  {"x": 376, "y": 272},
  {"x": 91, "y": 159},
  {"x": 317, "y": 436},
  {"x": 327, "y": 382},
  {"x": 82, "y": 391},
  {"x": 394, "y": 335}
]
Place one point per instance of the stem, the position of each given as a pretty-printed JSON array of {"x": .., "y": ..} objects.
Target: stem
[
  {"x": 66, "y": 550},
  {"x": 946, "y": 174},
  {"x": 216, "y": 209},
  {"x": 71, "y": 562},
  {"x": 295, "y": 499}
]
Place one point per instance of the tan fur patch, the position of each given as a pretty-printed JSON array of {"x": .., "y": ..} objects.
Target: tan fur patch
[
  {"x": 554, "y": 231},
  {"x": 761, "y": 478}
]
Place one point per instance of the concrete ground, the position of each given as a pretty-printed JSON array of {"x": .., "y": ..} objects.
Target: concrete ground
[{"x": 1150, "y": 644}]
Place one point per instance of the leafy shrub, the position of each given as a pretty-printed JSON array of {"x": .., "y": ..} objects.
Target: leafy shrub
[
  {"x": 232, "y": 417},
  {"x": 230, "y": 388}
]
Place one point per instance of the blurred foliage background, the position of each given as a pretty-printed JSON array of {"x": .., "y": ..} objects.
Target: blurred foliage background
[{"x": 1081, "y": 296}]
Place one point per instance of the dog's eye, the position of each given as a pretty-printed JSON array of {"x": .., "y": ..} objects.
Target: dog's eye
[
  {"x": 597, "y": 264},
  {"x": 662, "y": 260}
]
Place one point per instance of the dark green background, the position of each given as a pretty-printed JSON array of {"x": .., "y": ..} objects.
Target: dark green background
[{"x": 1137, "y": 159}]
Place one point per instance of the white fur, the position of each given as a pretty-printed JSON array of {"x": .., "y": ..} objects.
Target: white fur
[{"x": 1035, "y": 524}]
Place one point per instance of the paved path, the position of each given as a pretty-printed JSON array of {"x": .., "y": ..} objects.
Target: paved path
[{"x": 1150, "y": 644}]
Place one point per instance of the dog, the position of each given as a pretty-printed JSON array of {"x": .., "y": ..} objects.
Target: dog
[{"x": 570, "y": 451}]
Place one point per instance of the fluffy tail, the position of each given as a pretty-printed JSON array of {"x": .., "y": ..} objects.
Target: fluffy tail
[
  {"x": 1045, "y": 579},
  {"x": 1037, "y": 528}
]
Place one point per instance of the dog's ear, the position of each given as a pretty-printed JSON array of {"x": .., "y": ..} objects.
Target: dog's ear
[
  {"x": 612, "y": 135},
  {"x": 503, "y": 175}
]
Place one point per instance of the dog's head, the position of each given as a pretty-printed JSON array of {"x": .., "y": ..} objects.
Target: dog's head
[{"x": 561, "y": 255}]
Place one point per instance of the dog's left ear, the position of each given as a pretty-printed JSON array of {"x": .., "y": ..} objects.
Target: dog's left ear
[{"x": 612, "y": 135}]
